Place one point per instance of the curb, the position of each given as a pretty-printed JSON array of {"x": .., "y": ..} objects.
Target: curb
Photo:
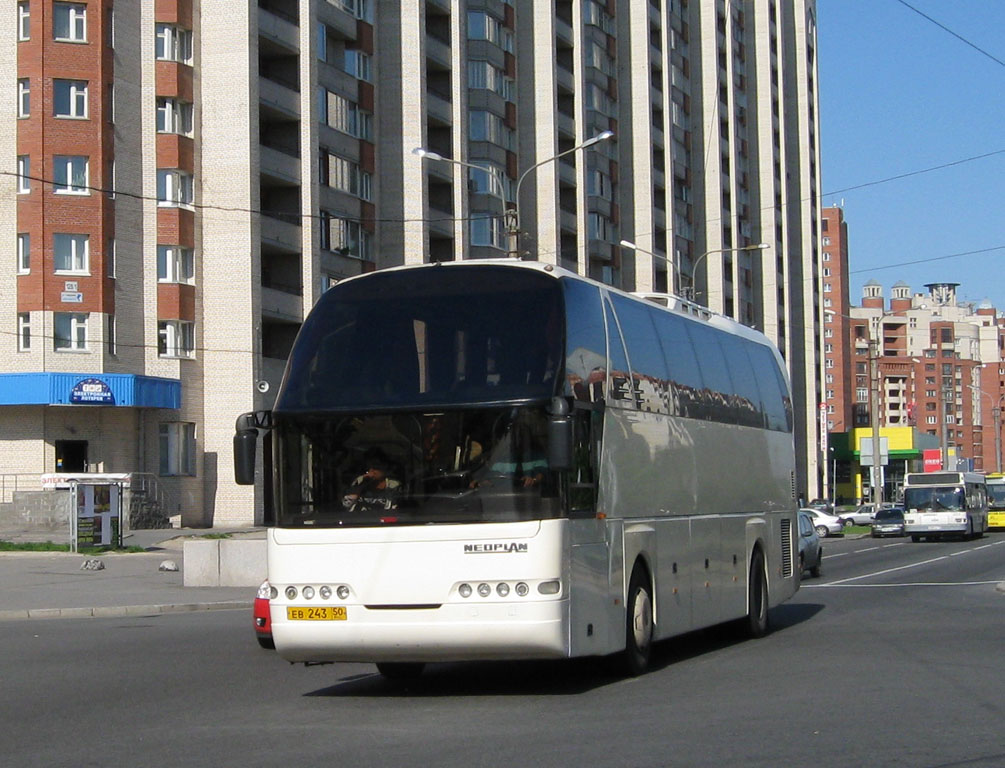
[
  {"x": 1000, "y": 587},
  {"x": 105, "y": 612}
]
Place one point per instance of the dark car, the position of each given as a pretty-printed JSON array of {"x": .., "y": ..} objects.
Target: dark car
[
  {"x": 888, "y": 522},
  {"x": 823, "y": 505},
  {"x": 262, "y": 618},
  {"x": 811, "y": 554}
]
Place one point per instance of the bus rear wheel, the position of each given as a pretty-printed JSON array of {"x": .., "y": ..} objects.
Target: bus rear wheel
[
  {"x": 400, "y": 670},
  {"x": 639, "y": 624},
  {"x": 757, "y": 597}
]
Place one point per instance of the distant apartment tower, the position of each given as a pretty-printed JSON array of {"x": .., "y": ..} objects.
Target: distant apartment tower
[
  {"x": 838, "y": 370},
  {"x": 186, "y": 179}
]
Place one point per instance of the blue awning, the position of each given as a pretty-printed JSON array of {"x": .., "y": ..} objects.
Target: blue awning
[{"x": 89, "y": 389}]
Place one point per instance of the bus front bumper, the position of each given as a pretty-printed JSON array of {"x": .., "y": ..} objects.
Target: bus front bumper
[{"x": 450, "y": 632}]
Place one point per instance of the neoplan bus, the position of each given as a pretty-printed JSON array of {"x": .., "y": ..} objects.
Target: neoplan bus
[
  {"x": 504, "y": 460},
  {"x": 996, "y": 500},
  {"x": 942, "y": 504}
]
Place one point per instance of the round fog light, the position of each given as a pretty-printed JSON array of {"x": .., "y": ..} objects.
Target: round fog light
[
  {"x": 464, "y": 590},
  {"x": 273, "y": 593},
  {"x": 342, "y": 592},
  {"x": 502, "y": 589},
  {"x": 291, "y": 593},
  {"x": 308, "y": 593},
  {"x": 484, "y": 590},
  {"x": 325, "y": 592},
  {"x": 522, "y": 589}
]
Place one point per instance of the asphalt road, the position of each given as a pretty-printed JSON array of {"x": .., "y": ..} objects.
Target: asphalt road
[{"x": 892, "y": 658}]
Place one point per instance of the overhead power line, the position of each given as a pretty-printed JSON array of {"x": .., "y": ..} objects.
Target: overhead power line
[{"x": 958, "y": 36}]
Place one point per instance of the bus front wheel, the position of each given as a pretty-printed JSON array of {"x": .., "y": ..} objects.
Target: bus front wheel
[{"x": 639, "y": 624}]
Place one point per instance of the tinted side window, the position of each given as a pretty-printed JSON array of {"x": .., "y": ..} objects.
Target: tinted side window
[
  {"x": 649, "y": 371},
  {"x": 746, "y": 393},
  {"x": 620, "y": 375},
  {"x": 684, "y": 374},
  {"x": 717, "y": 392},
  {"x": 774, "y": 397},
  {"x": 585, "y": 342}
]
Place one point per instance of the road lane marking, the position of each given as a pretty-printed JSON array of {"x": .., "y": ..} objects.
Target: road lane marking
[
  {"x": 842, "y": 582},
  {"x": 904, "y": 584}
]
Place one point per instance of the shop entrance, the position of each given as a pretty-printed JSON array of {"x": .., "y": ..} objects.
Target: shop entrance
[{"x": 71, "y": 455}]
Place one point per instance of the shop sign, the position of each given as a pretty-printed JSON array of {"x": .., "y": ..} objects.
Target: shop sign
[{"x": 92, "y": 392}]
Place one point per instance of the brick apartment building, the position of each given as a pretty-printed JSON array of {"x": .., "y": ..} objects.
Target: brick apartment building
[{"x": 184, "y": 179}]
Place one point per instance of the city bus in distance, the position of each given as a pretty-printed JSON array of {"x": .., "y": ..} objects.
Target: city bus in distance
[
  {"x": 505, "y": 460},
  {"x": 996, "y": 499},
  {"x": 941, "y": 504}
]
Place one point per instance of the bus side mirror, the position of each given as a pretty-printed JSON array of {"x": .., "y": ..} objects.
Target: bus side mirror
[
  {"x": 245, "y": 443},
  {"x": 559, "y": 434}
]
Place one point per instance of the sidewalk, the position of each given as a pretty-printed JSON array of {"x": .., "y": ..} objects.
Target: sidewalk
[{"x": 40, "y": 585}]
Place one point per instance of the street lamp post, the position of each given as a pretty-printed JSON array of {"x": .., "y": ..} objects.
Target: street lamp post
[
  {"x": 694, "y": 267},
  {"x": 633, "y": 247},
  {"x": 877, "y": 485}
]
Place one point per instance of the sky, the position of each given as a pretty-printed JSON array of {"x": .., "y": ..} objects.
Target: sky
[{"x": 899, "y": 95}]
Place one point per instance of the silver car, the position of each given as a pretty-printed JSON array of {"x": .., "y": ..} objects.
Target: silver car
[
  {"x": 825, "y": 525},
  {"x": 811, "y": 553}
]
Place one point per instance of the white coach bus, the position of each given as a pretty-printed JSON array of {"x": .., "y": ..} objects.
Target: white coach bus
[
  {"x": 504, "y": 460},
  {"x": 940, "y": 504}
]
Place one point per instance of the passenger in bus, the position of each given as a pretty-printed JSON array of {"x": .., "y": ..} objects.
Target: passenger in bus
[{"x": 375, "y": 489}]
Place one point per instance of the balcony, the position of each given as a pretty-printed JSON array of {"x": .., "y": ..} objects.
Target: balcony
[
  {"x": 279, "y": 98},
  {"x": 281, "y": 236},
  {"x": 280, "y": 305},
  {"x": 281, "y": 168},
  {"x": 278, "y": 31}
]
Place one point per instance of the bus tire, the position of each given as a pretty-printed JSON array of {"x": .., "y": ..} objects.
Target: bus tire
[
  {"x": 915, "y": 538},
  {"x": 638, "y": 624},
  {"x": 400, "y": 670},
  {"x": 757, "y": 597}
]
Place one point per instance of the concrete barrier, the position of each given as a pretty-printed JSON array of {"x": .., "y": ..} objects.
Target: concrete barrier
[{"x": 224, "y": 562}]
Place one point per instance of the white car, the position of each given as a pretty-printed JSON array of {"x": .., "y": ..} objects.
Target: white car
[{"x": 825, "y": 525}]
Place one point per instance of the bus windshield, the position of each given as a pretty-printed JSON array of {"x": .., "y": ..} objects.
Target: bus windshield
[
  {"x": 934, "y": 498},
  {"x": 996, "y": 495},
  {"x": 410, "y": 468},
  {"x": 427, "y": 339}
]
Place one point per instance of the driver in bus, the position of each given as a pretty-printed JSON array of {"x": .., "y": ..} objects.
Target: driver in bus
[{"x": 375, "y": 488}]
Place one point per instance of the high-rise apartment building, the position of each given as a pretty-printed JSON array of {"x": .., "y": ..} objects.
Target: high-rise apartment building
[{"x": 183, "y": 180}]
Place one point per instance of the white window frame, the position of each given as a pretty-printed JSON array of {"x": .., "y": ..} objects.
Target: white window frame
[
  {"x": 76, "y": 22},
  {"x": 23, "y": 174},
  {"x": 23, "y": 331},
  {"x": 176, "y": 446},
  {"x": 173, "y": 43},
  {"x": 174, "y": 116},
  {"x": 23, "y": 97},
  {"x": 175, "y": 264},
  {"x": 176, "y": 339},
  {"x": 175, "y": 188},
  {"x": 69, "y": 332},
  {"x": 75, "y": 260},
  {"x": 76, "y": 92},
  {"x": 357, "y": 64},
  {"x": 486, "y": 231},
  {"x": 66, "y": 176},
  {"x": 23, "y": 22},
  {"x": 23, "y": 253}
]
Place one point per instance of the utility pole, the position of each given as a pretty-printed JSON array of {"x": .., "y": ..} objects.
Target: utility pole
[{"x": 877, "y": 485}]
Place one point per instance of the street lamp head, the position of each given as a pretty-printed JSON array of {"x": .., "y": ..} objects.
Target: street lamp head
[
  {"x": 629, "y": 245},
  {"x": 602, "y": 136},
  {"x": 420, "y": 152},
  {"x": 756, "y": 247}
]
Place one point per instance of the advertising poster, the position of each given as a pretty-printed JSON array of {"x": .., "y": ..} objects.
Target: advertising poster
[{"x": 98, "y": 515}]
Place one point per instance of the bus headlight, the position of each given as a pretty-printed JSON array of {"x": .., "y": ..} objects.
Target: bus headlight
[
  {"x": 325, "y": 592},
  {"x": 522, "y": 589},
  {"x": 484, "y": 590},
  {"x": 464, "y": 590},
  {"x": 502, "y": 589},
  {"x": 308, "y": 593},
  {"x": 291, "y": 593},
  {"x": 343, "y": 592}
]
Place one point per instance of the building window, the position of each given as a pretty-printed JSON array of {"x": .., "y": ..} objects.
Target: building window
[
  {"x": 70, "y": 22},
  {"x": 175, "y": 338},
  {"x": 175, "y": 264},
  {"x": 357, "y": 64},
  {"x": 23, "y": 253},
  {"x": 110, "y": 334},
  {"x": 173, "y": 44},
  {"x": 483, "y": 75},
  {"x": 23, "y": 331},
  {"x": 23, "y": 22},
  {"x": 23, "y": 173},
  {"x": 69, "y": 98},
  {"x": 340, "y": 173},
  {"x": 70, "y": 253},
  {"x": 361, "y": 9},
  {"x": 69, "y": 175},
  {"x": 69, "y": 331},
  {"x": 487, "y": 126},
  {"x": 340, "y": 113},
  {"x": 174, "y": 116},
  {"x": 23, "y": 97},
  {"x": 174, "y": 188},
  {"x": 177, "y": 448},
  {"x": 344, "y": 236},
  {"x": 487, "y": 230},
  {"x": 482, "y": 26}
]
